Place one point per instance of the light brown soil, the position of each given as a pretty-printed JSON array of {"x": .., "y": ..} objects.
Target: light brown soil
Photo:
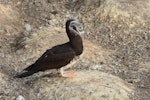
[{"x": 116, "y": 41}]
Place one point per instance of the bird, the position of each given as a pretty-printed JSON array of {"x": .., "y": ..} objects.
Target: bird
[{"x": 59, "y": 56}]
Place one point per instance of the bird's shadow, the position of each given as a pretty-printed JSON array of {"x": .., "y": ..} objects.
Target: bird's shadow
[
  {"x": 34, "y": 79},
  {"x": 8, "y": 71},
  {"x": 30, "y": 81},
  {"x": 50, "y": 75}
]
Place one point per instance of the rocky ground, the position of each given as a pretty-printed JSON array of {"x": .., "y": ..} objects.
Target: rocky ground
[{"x": 116, "y": 60}]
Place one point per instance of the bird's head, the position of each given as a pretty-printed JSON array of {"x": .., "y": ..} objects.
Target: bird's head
[{"x": 71, "y": 26}]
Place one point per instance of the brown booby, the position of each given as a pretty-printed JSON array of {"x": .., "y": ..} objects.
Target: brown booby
[{"x": 59, "y": 56}]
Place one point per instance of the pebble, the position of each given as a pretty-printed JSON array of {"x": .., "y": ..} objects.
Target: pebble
[
  {"x": 40, "y": 27},
  {"x": 52, "y": 22},
  {"x": 96, "y": 67},
  {"x": 28, "y": 27},
  {"x": 2, "y": 55},
  {"x": 20, "y": 97}
]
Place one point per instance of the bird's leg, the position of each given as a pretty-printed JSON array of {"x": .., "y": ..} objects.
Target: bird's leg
[
  {"x": 69, "y": 73},
  {"x": 66, "y": 73},
  {"x": 74, "y": 61}
]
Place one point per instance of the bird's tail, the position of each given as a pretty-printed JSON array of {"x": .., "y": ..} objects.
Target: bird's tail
[
  {"x": 29, "y": 68},
  {"x": 25, "y": 74}
]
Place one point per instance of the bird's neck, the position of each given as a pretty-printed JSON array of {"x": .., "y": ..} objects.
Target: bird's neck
[
  {"x": 77, "y": 44},
  {"x": 75, "y": 41}
]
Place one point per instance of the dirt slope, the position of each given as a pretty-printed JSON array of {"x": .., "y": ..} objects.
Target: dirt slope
[{"x": 116, "y": 41}]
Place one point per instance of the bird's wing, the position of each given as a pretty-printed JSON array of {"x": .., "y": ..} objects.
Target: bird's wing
[
  {"x": 50, "y": 56},
  {"x": 60, "y": 56}
]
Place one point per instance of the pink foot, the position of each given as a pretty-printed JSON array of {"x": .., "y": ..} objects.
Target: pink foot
[{"x": 68, "y": 74}]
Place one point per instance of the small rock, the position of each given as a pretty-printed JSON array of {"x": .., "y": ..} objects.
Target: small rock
[
  {"x": 28, "y": 27},
  {"x": 68, "y": 15},
  {"x": 52, "y": 22},
  {"x": 96, "y": 67},
  {"x": 2, "y": 55},
  {"x": 26, "y": 46},
  {"x": 40, "y": 27},
  {"x": 20, "y": 97}
]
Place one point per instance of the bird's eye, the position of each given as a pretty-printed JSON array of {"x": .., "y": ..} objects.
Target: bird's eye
[{"x": 74, "y": 27}]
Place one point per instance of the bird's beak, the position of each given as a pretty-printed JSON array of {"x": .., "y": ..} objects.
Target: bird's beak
[{"x": 76, "y": 23}]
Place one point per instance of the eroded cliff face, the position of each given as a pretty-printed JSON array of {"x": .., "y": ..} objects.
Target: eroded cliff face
[{"x": 116, "y": 42}]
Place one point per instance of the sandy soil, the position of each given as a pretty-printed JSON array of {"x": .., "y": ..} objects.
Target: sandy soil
[{"x": 116, "y": 42}]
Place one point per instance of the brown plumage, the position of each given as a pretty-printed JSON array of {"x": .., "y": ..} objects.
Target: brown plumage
[{"x": 60, "y": 55}]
